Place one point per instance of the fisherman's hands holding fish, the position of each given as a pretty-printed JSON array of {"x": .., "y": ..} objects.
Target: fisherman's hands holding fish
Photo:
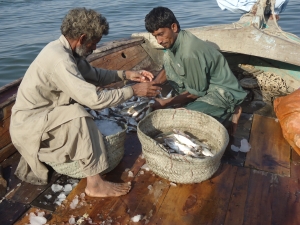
[{"x": 149, "y": 89}]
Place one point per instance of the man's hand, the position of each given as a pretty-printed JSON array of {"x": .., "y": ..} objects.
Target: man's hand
[
  {"x": 149, "y": 89},
  {"x": 159, "y": 103},
  {"x": 139, "y": 76}
]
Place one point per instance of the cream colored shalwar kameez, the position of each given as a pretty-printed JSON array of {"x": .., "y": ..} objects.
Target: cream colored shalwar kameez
[{"x": 44, "y": 108}]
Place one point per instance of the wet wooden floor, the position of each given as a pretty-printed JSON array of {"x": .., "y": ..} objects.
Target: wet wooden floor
[{"x": 260, "y": 187}]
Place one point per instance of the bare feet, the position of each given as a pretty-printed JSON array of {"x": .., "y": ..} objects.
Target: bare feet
[
  {"x": 97, "y": 187},
  {"x": 235, "y": 119}
]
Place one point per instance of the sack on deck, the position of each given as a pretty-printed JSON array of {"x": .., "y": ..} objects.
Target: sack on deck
[{"x": 287, "y": 109}]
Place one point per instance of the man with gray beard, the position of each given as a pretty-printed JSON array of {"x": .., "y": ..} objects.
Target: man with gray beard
[{"x": 47, "y": 127}]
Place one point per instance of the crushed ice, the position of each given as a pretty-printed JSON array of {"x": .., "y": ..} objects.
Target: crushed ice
[
  {"x": 145, "y": 167},
  {"x": 245, "y": 146},
  {"x": 136, "y": 218},
  {"x": 108, "y": 127},
  {"x": 38, "y": 219},
  {"x": 130, "y": 174}
]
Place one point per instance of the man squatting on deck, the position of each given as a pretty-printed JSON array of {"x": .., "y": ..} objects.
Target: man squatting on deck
[
  {"x": 198, "y": 72},
  {"x": 49, "y": 122}
]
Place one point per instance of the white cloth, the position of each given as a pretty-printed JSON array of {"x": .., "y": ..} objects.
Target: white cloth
[{"x": 244, "y": 6}]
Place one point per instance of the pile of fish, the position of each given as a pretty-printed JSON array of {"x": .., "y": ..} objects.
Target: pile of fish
[
  {"x": 129, "y": 112},
  {"x": 181, "y": 143}
]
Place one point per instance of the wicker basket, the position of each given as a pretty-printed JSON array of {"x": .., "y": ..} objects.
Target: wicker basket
[
  {"x": 179, "y": 168},
  {"x": 115, "y": 150}
]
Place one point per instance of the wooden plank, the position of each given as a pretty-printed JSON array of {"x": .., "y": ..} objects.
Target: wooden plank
[
  {"x": 258, "y": 206},
  {"x": 114, "y": 46},
  {"x": 10, "y": 211},
  {"x": 97, "y": 208},
  {"x": 242, "y": 132},
  {"x": 235, "y": 212},
  {"x": 18, "y": 190},
  {"x": 25, "y": 192},
  {"x": 25, "y": 218},
  {"x": 3, "y": 184},
  {"x": 100, "y": 208},
  {"x": 203, "y": 203},
  {"x": 144, "y": 199},
  {"x": 269, "y": 150},
  {"x": 122, "y": 60},
  {"x": 4, "y": 126},
  {"x": 6, "y": 111},
  {"x": 285, "y": 201},
  {"x": 295, "y": 165},
  {"x": 47, "y": 199},
  {"x": 7, "y": 151},
  {"x": 9, "y": 166},
  {"x": 5, "y": 139}
]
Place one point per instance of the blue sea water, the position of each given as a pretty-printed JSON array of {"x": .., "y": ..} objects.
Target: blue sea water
[{"x": 26, "y": 26}]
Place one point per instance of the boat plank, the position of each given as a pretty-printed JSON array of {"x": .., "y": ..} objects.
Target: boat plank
[
  {"x": 21, "y": 191},
  {"x": 6, "y": 111},
  {"x": 4, "y": 126},
  {"x": 25, "y": 218},
  {"x": 203, "y": 203},
  {"x": 100, "y": 208},
  {"x": 49, "y": 204},
  {"x": 122, "y": 60},
  {"x": 10, "y": 211},
  {"x": 259, "y": 198},
  {"x": 269, "y": 150},
  {"x": 242, "y": 132},
  {"x": 5, "y": 139},
  {"x": 235, "y": 212},
  {"x": 144, "y": 199},
  {"x": 113, "y": 46},
  {"x": 295, "y": 165},
  {"x": 25, "y": 193},
  {"x": 7, "y": 151},
  {"x": 8, "y": 168},
  {"x": 285, "y": 201}
]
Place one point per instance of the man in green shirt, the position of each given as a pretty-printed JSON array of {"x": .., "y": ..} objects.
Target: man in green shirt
[{"x": 198, "y": 72}]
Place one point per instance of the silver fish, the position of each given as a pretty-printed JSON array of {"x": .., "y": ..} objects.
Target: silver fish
[{"x": 178, "y": 147}]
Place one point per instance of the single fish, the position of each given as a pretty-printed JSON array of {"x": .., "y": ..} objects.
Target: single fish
[{"x": 207, "y": 152}]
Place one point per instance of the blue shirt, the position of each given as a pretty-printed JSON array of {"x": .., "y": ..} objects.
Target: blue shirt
[{"x": 244, "y": 6}]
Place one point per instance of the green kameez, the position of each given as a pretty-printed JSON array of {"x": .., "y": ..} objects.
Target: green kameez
[{"x": 193, "y": 65}]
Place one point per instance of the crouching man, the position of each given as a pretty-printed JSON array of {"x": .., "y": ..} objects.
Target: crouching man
[{"x": 48, "y": 127}]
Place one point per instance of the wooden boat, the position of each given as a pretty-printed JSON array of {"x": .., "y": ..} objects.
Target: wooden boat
[{"x": 260, "y": 187}]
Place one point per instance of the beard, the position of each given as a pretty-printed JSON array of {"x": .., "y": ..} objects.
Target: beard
[{"x": 83, "y": 51}]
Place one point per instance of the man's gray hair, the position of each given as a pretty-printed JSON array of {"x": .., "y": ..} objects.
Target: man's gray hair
[{"x": 80, "y": 21}]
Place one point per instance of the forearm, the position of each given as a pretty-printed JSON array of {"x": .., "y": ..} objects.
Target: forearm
[
  {"x": 182, "y": 99},
  {"x": 161, "y": 77}
]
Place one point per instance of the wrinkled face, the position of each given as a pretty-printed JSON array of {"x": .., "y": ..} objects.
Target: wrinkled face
[
  {"x": 166, "y": 37},
  {"x": 87, "y": 48}
]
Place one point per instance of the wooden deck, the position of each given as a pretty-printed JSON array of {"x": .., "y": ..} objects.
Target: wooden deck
[{"x": 260, "y": 187}]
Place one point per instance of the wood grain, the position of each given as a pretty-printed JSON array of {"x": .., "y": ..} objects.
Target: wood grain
[{"x": 269, "y": 150}]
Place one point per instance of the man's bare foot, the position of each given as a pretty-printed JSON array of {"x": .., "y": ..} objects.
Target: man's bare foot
[
  {"x": 235, "y": 119},
  {"x": 97, "y": 187}
]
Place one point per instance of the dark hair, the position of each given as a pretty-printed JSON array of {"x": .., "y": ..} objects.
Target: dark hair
[
  {"x": 160, "y": 17},
  {"x": 80, "y": 21}
]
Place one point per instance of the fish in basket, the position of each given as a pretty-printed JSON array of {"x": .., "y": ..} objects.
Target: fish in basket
[{"x": 202, "y": 137}]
